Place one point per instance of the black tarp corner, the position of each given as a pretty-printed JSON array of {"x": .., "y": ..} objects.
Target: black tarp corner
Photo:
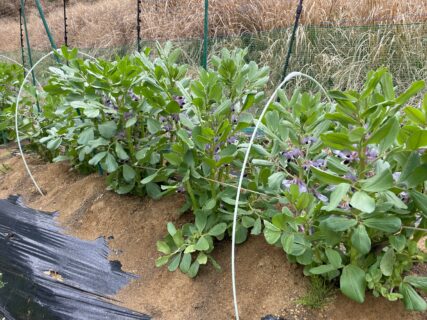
[{"x": 51, "y": 275}]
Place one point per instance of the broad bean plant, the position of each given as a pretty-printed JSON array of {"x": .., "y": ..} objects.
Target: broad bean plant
[{"x": 339, "y": 186}]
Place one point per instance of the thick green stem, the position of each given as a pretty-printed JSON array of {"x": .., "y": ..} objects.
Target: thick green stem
[{"x": 191, "y": 194}]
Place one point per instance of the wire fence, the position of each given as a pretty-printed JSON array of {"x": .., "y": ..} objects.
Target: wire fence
[{"x": 337, "y": 54}]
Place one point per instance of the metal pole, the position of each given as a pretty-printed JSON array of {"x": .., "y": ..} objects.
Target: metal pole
[
  {"x": 21, "y": 31},
  {"x": 46, "y": 27},
  {"x": 205, "y": 36},
  {"x": 65, "y": 24},
  {"x": 138, "y": 24},
  {"x": 291, "y": 43},
  {"x": 30, "y": 58}
]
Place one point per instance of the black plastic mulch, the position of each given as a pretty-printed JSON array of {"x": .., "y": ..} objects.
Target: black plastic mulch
[{"x": 51, "y": 275}]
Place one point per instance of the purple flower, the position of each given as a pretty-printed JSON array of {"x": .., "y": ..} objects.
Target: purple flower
[
  {"x": 396, "y": 176},
  {"x": 321, "y": 197},
  {"x": 132, "y": 95},
  {"x": 301, "y": 185},
  {"x": 167, "y": 127},
  {"x": 120, "y": 135},
  {"x": 175, "y": 117},
  {"x": 347, "y": 156},
  {"x": 162, "y": 119},
  {"x": 234, "y": 119},
  {"x": 404, "y": 196},
  {"x": 350, "y": 176},
  {"x": 371, "y": 153},
  {"x": 109, "y": 103},
  {"x": 309, "y": 140},
  {"x": 217, "y": 157},
  {"x": 180, "y": 100},
  {"x": 180, "y": 189},
  {"x": 231, "y": 140},
  {"x": 293, "y": 154},
  {"x": 127, "y": 115}
]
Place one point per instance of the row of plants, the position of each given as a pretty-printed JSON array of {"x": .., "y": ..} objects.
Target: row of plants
[{"x": 339, "y": 186}]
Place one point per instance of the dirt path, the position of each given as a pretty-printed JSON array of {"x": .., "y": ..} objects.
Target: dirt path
[{"x": 267, "y": 284}]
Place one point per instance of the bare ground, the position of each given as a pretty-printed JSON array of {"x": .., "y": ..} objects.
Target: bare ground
[{"x": 267, "y": 283}]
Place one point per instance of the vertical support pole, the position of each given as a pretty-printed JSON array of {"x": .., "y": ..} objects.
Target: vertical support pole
[
  {"x": 46, "y": 27},
  {"x": 65, "y": 24},
  {"x": 205, "y": 36},
  {"x": 291, "y": 43},
  {"x": 21, "y": 32},
  {"x": 30, "y": 58},
  {"x": 138, "y": 24}
]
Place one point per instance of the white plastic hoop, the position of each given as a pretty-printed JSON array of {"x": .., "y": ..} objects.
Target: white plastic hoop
[
  {"x": 242, "y": 173},
  {"x": 17, "y": 113}
]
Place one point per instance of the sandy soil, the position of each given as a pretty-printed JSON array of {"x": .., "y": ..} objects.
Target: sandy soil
[{"x": 267, "y": 284}]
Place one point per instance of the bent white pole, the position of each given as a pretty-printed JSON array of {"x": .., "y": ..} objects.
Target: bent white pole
[
  {"x": 17, "y": 113},
  {"x": 242, "y": 173}
]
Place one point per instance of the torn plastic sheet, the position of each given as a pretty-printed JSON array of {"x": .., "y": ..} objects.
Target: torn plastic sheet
[{"x": 51, "y": 275}]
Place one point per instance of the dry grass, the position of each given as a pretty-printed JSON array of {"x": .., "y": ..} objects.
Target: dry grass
[{"x": 94, "y": 24}]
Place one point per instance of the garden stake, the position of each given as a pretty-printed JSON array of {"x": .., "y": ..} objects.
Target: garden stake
[{"x": 291, "y": 43}]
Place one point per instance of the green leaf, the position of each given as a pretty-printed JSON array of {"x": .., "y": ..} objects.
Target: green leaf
[
  {"x": 322, "y": 269},
  {"x": 131, "y": 122},
  {"x": 107, "y": 129},
  {"x": 334, "y": 257},
  {"x": 294, "y": 244},
  {"x": 153, "y": 126},
  {"x": 173, "y": 158},
  {"x": 257, "y": 228},
  {"x": 420, "y": 200},
  {"x": 327, "y": 177},
  {"x": 173, "y": 107},
  {"x": 412, "y": 91},
  {"x": 336, "y": 196},
  {"x": 185, "y": 263},
  {"x": 183, "y": 135},
  {"x": 415, "y": 115},
  {"x": 412, "y": 299},
  {"x": 201, "y": 220},
  {"x": 363, "y": 202},
  {"x": 202, "y": 244},
  {"x": 380, "y": 182},
  {"x": 387, "y": 262},
  {"x": 386, "y": 134},
  {"x": 336, "y": 140},
  {"x": 54, "y": 144},
  {"x": 275, "y": 180},
  {"x": 86, "y": 136},
  {"x": 97, "y": 158},
  {"x": 339, "y": 224},
  {"x": 128, "y": 173},
  {"x": 163, "y": 247},
  {"x": 218, "y": 230},
  {"x": 202, "y": 258},
  {"x": 271, "y": 232},
  {"x": 171, "y": 229},
  {"x": 111, "y": 163},
  {"x": 417, "y": 282},
  {"x": 353, "y": 283},
  {"x": 388, "y": 224},
  {"x": 194, "y": 269},
  {"x": 417, "y": 176},
  {"x": 173, "y": 265},
  {"x": 121, "y": 153},
  {"x": 161, "y": 261},
  {"x": 360, "y": 240},
  {"x": 398, "y": 242}
]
